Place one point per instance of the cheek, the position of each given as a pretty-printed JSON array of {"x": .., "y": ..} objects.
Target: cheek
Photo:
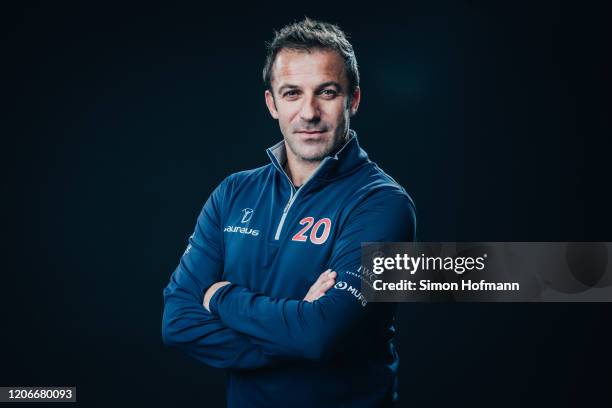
[
  {"x": 287, "y": 114},
  {"x": 339, "y": 113},
  {"x": 284, "y": 110}
]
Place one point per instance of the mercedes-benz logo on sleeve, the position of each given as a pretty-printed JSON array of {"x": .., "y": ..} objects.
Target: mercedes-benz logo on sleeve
[{"x": 247, "y": 214}]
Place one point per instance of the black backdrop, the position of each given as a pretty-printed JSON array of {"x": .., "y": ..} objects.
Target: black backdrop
[{"x": 119, "y": 121}]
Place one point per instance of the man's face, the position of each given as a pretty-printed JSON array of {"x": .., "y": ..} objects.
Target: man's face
[{"x": 310, "y": 100}]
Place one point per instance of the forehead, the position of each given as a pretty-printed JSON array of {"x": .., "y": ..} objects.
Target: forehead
[{"x": 308, "y": 68}]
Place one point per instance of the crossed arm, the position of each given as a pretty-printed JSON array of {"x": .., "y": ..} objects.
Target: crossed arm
[
  {"x": 226, "y": 325},
  {"x": 190, "y": 327},
  {"x": 325, "y": 281}
]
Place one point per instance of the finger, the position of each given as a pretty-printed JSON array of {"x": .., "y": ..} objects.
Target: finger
[
  {"x": 321, "y": 283},
  {"x": 324, "y": 275},
  {"x": 326, "y": 286},
  {"x": 322, "y": 278},
  {"x": 331, "y": 277},
  {"x": 321, "y": 288}
]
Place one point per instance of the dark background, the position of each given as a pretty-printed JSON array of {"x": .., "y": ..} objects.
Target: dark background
[{"x": 120, "y": 120}]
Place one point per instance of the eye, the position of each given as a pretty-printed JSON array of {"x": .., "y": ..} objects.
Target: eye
[
  {"x": 291, "y": 93},
  {"x": 329, "y": 93}
]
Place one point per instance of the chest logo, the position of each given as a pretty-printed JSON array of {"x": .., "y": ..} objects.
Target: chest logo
[
  {"x": 247, "y": 214},
  {"x": 319, "y": 231}
]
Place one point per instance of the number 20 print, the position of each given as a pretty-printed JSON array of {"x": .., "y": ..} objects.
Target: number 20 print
[{"x": 316, "y": 237}]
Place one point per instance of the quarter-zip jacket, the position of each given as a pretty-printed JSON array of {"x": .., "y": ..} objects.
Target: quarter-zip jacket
[{"x": 272, "y": 242}]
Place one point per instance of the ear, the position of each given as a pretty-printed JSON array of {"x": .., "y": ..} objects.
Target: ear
[
  {"x": 355, "y": 101},
  {"x": 270, "y": 104}
]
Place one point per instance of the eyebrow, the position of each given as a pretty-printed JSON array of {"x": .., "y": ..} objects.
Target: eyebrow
[
  {"x": 287, "y": 86},
  {"x": 323, "y": 85},
  {"x": 330, "y": 83}
]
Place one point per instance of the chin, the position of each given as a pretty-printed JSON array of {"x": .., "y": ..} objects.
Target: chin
[
  {"x": 311, "y": 157},
  {"x": 314, "y": 155}
]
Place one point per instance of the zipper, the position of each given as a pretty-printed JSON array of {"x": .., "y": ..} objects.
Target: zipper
[
  {"x": 286, "y": 209},
  {"x": 292, "y": 198}
]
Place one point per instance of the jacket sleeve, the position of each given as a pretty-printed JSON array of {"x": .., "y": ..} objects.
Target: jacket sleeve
[
  {"x": 314, "y": 330},
  {"x": 186, "y": 324}
]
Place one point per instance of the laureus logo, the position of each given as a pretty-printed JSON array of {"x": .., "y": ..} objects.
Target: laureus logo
[{"x": 247, "y": 214}]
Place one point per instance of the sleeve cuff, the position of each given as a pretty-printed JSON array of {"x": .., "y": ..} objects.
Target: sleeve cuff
[{"x": 213, "y": 305}]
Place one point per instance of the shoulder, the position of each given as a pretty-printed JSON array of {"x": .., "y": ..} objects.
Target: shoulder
[
  {"x": 246, "y": 179},
  {"x": 250, "y": 175},
  {"x": 377, "y": 201},
  {"x": 377, "y": 188}
]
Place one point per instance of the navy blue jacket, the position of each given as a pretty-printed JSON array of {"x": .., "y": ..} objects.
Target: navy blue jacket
[{"x": 272, "y": 242}]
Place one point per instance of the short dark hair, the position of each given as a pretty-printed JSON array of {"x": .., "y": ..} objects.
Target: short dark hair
[{"x": 307, "y": 35}]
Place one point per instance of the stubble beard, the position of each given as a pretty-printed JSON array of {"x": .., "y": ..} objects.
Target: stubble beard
[
  {"x": 335, "y": 144},
  {"x": 317, "y": 157}
]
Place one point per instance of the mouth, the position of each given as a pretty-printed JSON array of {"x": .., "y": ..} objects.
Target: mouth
[{"x": 310, "y": 132}]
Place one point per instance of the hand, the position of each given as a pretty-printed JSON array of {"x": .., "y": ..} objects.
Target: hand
[
  {"x": 325, "y": 281},
  {"x": 211, "y": 291}
]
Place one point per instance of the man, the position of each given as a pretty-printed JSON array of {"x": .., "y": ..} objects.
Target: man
[{"x": 269, "y": 285}]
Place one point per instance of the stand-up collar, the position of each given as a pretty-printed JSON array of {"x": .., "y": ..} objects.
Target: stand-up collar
[{"x": 349, "y": 157}]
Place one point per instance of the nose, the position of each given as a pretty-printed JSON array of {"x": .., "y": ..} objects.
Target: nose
[{"x": 310, "y": 109}]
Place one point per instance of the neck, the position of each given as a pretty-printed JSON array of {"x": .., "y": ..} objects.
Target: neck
[{"x": 299, "y": 170}]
